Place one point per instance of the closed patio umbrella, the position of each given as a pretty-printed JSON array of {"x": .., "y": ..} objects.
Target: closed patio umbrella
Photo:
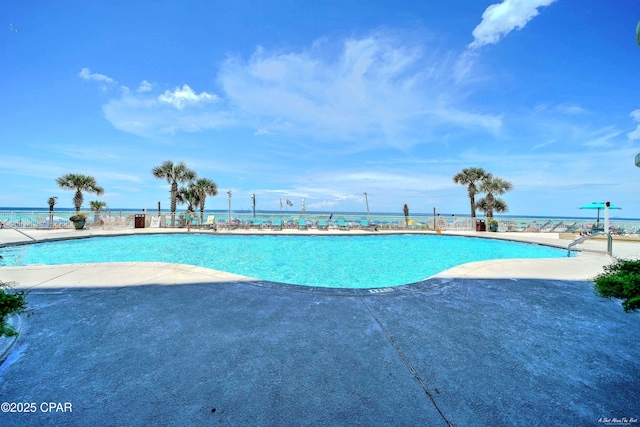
[{"x": 598, "y": 206}]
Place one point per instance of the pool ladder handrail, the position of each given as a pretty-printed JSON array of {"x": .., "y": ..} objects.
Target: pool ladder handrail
[
  {"x": 4, "y": 224},
  {"x": 589, "y": 236}
]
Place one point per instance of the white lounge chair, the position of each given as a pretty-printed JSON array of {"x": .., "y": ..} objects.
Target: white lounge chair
[{"x": 211, "y": 222}]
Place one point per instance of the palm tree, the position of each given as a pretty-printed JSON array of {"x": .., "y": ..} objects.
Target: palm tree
[
  {"x": 186, "y": 195},
  {"x": 52, "y": 202},
  {"x": 470, "y": 177},
  {"x": 493, "y": 186},
  {"x": 173, "y": 174},
  {"x": 203, "y": 187},
  {"x": 79, "y": 183},
  {"x": 96, "y": 206}
]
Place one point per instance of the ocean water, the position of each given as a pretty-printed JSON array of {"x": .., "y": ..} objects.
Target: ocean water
[{"x": 327, "y": 261}]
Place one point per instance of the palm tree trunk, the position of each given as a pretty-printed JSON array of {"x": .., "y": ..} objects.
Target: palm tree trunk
[
  {"x": 489, "y": 205},
  {"x": 174, "y": 192},
  {"x": 473, "y": 206},
  {"x": 77, "y": 201}
]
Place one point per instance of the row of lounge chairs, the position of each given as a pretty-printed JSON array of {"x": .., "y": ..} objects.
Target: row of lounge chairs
[
  {"x": 535, "y": 227},
  {"x": 575, "y": 227},
  {"x": 279, "y": 224}
]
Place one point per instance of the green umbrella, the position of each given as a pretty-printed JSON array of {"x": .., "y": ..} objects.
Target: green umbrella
[{"x": 598, "y": 206}]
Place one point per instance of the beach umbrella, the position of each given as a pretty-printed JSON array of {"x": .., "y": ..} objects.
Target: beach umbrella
[{"x": 598, "y": 206}]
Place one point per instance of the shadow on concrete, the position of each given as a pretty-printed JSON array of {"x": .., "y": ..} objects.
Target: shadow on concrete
[{"x": 439, "y": 352}]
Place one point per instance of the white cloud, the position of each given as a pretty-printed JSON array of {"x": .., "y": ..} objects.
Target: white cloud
[
  {"x": 261, "y": 132},
  {"x": 181, "y": 97},
  {"x": 635, "y": 135},
  {"x": 145, "y": 86},
  {"x": 606, "y": 138},
  {"x": 369, "y": 92},
  {"x": 86, "y": 74},
  {"x": 500, "y": 19},
  {"x": 570, "y": 109},
  {"x": 148, "y": 117},
  {"x": 375, "y": 90}
]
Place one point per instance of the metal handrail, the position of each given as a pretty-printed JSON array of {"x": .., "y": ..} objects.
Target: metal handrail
[
  {"x": 4, "y": 224},
  {"x": 585, "y": 238}
]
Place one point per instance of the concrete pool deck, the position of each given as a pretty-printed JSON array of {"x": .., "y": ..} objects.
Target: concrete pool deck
[{"x": 511, "y": 342}]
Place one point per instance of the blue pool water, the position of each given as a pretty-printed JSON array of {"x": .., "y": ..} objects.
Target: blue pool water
[{"x": 327, "y": 261}]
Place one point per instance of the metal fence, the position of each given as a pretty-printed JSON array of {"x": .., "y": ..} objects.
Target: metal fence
[
  {"x": 127, "y": 219},
  {"x": 224, "y": 220}
]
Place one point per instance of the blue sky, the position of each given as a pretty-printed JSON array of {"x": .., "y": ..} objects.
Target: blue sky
[{"x": 323, "y": 101}]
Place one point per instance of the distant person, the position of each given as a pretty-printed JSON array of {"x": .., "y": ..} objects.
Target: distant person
[{"x": 187, "y": 218}]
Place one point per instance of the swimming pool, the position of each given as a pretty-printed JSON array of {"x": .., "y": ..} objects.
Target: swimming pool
[{"x": 328, "y": 261}]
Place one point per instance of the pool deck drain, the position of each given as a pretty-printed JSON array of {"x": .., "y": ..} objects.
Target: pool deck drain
[{"x": 489, "y": 344}]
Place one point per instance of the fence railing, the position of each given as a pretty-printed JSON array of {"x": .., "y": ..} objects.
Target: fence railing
[
  {"x": 111, "y": 219},
  {"x": 127, "y": 219}
]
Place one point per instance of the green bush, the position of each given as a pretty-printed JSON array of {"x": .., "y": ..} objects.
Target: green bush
[
  {"x": 621, "y": 280},
  {"x": 10, "y": 302}
]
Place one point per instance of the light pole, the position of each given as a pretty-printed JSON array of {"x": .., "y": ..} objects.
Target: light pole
[
  {"x": 253, "y": 198},
  {"x": 229, "y": 193},
  {"x": 366, "y": 199},
  {"x": 434, "y": 219}
]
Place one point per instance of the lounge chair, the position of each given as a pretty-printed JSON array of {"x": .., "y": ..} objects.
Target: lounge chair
[
  {"x": 532, "y": 227},
  {"x": 365, "y": 225},
  {"x": 635, "y": 231},
  {"x": 276, "y": 224},
  {"x": 617, "y": 230},
  {"x": 572, "y": 228},
  {"x": 302, "y": 224},
  {"x": 509, "y": 225},
  {"x": 342, "y": 225},
  {"x": 211, "y": 222},
  {"x": 332, "y": 223},
  {"x": 559, "y": 227},
  {"x": 321, "y": 225},
  {"x": 547, "y": 227}
]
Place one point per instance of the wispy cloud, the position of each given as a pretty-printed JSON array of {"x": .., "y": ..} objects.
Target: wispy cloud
[
  {"x": 145, "y": 86},
  {"x": 635, "y": 135},
  {"x": 78, "y": 151},
  {"x": 182, "y": 97},
  {"x": 369, "y": 92},
  {"x": 377, "y": 88},
  {"x": 500, "y": 19},
  {"x": 570, "y": 109},
  {"x": 86, "y": 74},
  {"x": 605, "y": 138},
  {"x": 166, "y": 113}
]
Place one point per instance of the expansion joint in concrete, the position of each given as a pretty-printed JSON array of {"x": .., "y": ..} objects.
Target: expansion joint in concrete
[{"x": 407, "y": 362}]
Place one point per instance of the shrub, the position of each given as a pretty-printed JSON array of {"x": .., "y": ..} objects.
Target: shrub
[
  {"x": 621, "y": 280},
  {"x": 10, "y": 302},
  {"x": 78, "y": 217}
]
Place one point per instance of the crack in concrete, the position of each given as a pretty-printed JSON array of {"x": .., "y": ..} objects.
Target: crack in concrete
[{"x": 408, "y": 363}]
